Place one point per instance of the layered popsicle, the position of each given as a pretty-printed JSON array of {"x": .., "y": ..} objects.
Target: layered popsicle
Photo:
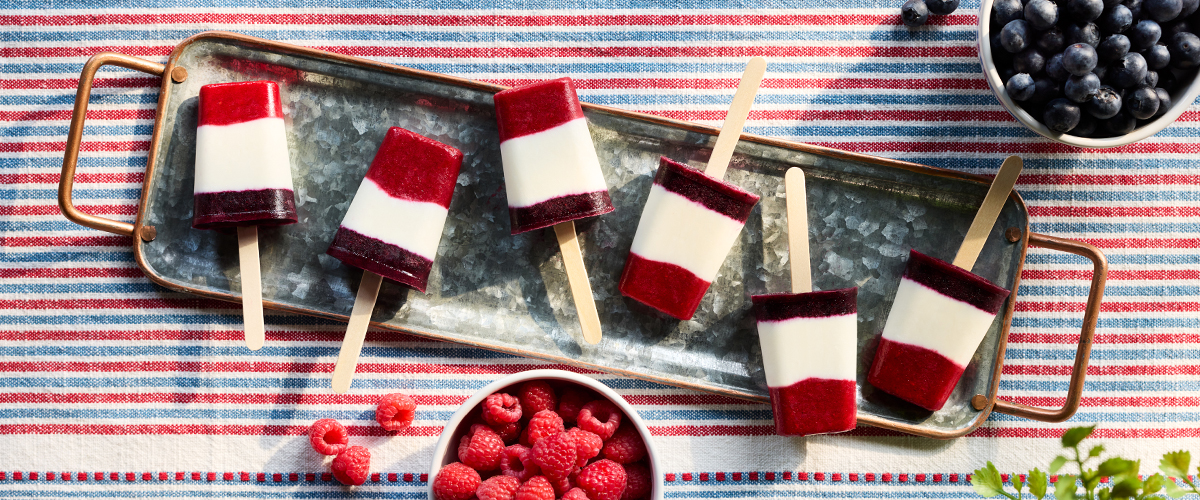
[
  {"x": 395, "y": 222},
  {"x": 940, "y": 315},
  {"x": 688, "y": 225},
  {"x": 243, "y": 176},
  {"x": 551, "y": 172}
]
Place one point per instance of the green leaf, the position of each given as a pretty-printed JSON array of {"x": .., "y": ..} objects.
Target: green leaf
[
  {"x": 1057, "y": 464},
  {"x": 1065, "y": 488},
  {"x": 1104, "y": 494},
  {"x": 1017, "y": 483},
  {"x": 1114, "y": 466},
  {"x": 1153, "y": 484},
  {"x": 986, "y": 481},
  {"x": 1126, "y": 488},
  {"x": 1074, "y": 435},
  {"x": 1175, "y": 464},
  {"x": 1037, "y": 483},
  {"x": 1173, "y": 490},
  {"x": 1096, "y": 451}
]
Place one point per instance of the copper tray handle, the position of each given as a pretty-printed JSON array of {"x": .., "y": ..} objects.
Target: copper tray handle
[
  {"x": 75, "y": 137},
  {"x": 1090, "y": 315}
]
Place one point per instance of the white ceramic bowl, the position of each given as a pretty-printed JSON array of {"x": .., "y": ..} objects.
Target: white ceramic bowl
[
  {"x": 1180, "y": 100},
  {"x": 447, "y": 446}
]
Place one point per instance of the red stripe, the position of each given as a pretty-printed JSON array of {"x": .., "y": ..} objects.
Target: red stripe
[
  {"x": 209, "y": 398},
  {"x": 65, "y": 114},
  {"x": 1114, "y": 274},
  {"x": 1100, "y": 432},
  {"x": 1038, "y": 306},
  {"x": 56, "y": 147},
  {"x": 70, "y": 83},
  {"x": 842, "y": 115},
  {"x": 74, "y": 272},
  {"x": 1010, "y": 147},
  {"x": 269, "y": 367},
  {"x": 1156, "y": 211},
  {"x": 80, "y": 178},
  {"x": 774, "y": 83},
  {"x": 53, "y": 209},
  {"x": 1107, "y": 338},
  {"x": 1153, "y": 243},
  {"x": 1110, "y": 402},
  {"x": 199, "y": 429},
  {"x": 66, "y": 241},
  {"x": 1118, "y": 180},
  {"x": 1112, "y": 371},
  {"x": 186, "y": 303}
]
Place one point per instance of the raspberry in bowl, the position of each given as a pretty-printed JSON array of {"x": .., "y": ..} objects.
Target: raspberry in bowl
[{"x": 546, "y": 434}]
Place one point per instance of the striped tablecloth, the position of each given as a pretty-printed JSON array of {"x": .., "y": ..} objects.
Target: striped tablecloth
[{"x": 113, "y": 387}]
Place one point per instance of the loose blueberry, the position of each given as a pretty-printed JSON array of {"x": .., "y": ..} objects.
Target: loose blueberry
[
  {"x": 1164, "y": 101},
  {"x": 1055, "y": 70},
  {"x": 1185, "y": 50},
  {"x": 1157, "y": 57},
  {"x": 1112, "y": 48},
  {"x": 1015, "y": 36},
  {"x": 1142, "y": 103},
  {"x": 1115, "y": 19},
  {"x": 1143, "y": 35},
  {"x": 1085, "y": 10},
  {"x": 1120, "y": 124},
  {"x": 1079, "y": 59},
  {"x": 1020, "y": 87},
  {"x": 1031, "y": 61},
  {"x": 1052, "y": 41},
  {"x": 1129, "y": 71},
  {"x": 1081, "y": 88},
  {"x": 1061, "y": 115},
  {"x": 914, "y": 13},
  {"x": 1162, "y": 10},
  {"x": 1083, "y": 33},
  {"x": 1007, "y": 11},
  {"x": 941, "y": 7},
  {"x": 1104, "y": 104},
  {"x": 1041, "y": 14}
]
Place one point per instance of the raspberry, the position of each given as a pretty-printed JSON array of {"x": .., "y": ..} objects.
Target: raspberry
[
  {"x": 508, "y": 432},
  {"x": 637, "y": 482},
  {"x": 517, "y": 461},
  {"x": 625, "y": 446},
  {"x": 536, "y": 488},
  {"x": 562, "y": 486},
  {"x": 587, "y": 445},
  {"x": 480, "y": 448},
  {"x": 501, "y": 408},
  {"x": 352, "y": 466},
  {"x": 455, "y": 482},
  {"x": 537, "y": 395},
  {"x": 328, "y": 436},
  {"x": 555, "y": 455},
  {"x": 575, "y": 494},
  {"x": 603, "y": 480},
  {"x": 395, "y": 411},
  {"x": 498, "y": 488},
  {"x": 572, "y": 401},
  {"x": 544, "y": 423},
  {"x": 600, "y": 417}
]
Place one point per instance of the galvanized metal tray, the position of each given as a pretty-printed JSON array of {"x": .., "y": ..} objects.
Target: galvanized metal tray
[{"x": 509, "y": 293}]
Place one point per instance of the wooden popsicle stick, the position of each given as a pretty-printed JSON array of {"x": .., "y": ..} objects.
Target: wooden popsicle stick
[
  {"x": 739, "y": 109},
  {"x": 581, "y": 289},
  {"x": 252, "y": 309},
  {"x": 356, "y": 331},
  {"x": 985, "y": 218},
  {"x": 797, "y": 221}
]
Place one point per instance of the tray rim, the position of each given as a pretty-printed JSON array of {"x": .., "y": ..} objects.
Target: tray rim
[{"x": 146, "y": 233}]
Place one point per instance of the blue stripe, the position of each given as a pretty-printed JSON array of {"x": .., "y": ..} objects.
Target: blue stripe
[
  {"x": 273, "y": 383},
  {"x": 51, "y": 193},
  {"x": 98, "y": 98},
  {"x": 1114, "y": 227},
  {"x": 1166, "y": 194},
  {"x": 77, "y": 288},
  {"x": 1106, "y": 322},
  {"x": 1111, "y": 291},
  {"x": 91, "y": 131},
  {"x": 1063, "y": 166},
  {"x": 66, "y": 256},
  {"x": 823, "y": 99},
  {"x": 1104, "y": 353},
  {"x": 1111, "y": 417},
  {"x": 214, "y": 351},
  {"x": 136, "y": 159},
  {"x": 266, "y": 489},
  {"x": 1102, "y": 386},
  {"x": 1115, "y": 259}
]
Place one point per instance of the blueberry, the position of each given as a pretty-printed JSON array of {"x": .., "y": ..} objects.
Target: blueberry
[
  {"x": 1006, "y": 72},
  {"x": 1083, "y": 33},
  {"x": 1170, "y": 29},
  {"x": 1079, "y": 59},
  {"x": 1081, "y": 88},
  {"x": 1052, "y": 41},
  {"x": 1031, "y": 61},
  {"x": 1142, "y": 103},
  {"x": 1015, "y": 36},
  {"x": 1120, "y": 124},
  {"x": 1157, "y": 57},
  {"x": 1104, "y": 104},
  {"x": 1168, "y": 80},
  {"x": 1162, "y": 10},
  {"x": 1115, "y": 19},
  {"x": 1061, "y": 115},
  {"x": 1164, "y": 101},
  {"x": 1129, "y": 71},
  {"x": 1020, "y": 87},
  {"x": 914, "y": 13},
  {"x": 1150, "y": 80},
  {"x": 1055, "y": 70},
  {"x": 1189, "y": 7},
  {"x": 1135, "y": 8},
  {"x": 1101, "y": 71},
  {"x": 1185, "y": 50},
  {"x": 1044, "y": 90},
  {"x": 1086, "y": 126},
  {"x": 941, "y": 7},
  {"x": 1006, "y": 11},
  {"x": 1112, "y": 48},
  {"x": 1144, "y": 34},
  {"x": 1082, "y": 11},
  {"x": 1041, "y": 14}
]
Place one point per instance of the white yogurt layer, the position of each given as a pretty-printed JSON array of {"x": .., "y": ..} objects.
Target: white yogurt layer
[
  {"x": 923, "y": 317},
  {"x": 415, "y": 226},
  {"x": 679, "y": 231},
  {"x": 800, "y": 348},
  {"x": 555, "y": 162},
  {"x": 243, "y": 156}
]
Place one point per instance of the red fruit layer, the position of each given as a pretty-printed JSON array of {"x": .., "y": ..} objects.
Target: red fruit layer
[
  {"x": 666, "y": 287},
  {"x": 915, "y": 374},
  {"x": 814, "y": 406},
  {"x": 954, "y": 282},
  {"x": 783, "y": 306},
  {"x": 561, "y": 209},
  {"x": 536, "y": 107},
  {"x": 716, "y": 195},
  {"x": 413, "y": 167},
  {"x": 239, "y": 102},
  {"x": 263, "y": 207},
  {"x": 387, "y": 260}
]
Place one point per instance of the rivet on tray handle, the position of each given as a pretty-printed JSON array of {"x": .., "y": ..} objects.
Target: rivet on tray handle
[
  {"x": 1088, "y": 332},
  {"x": 75, "y": 137}
]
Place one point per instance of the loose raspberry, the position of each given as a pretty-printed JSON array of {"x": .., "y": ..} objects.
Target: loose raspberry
[
  {"x": 587, "y": 445},
  {"x": 544, "y": 423},
  {"x": 637, "y": 482},
  {"x": 455, "y": 482},
  {"x": 508, "y": 432},
  {"x": 603, "y": 480},
  {"x": 536, "y": 488},
  {"x": 395, "y": 411},
  {"x": 537, "y": 395},
  {"x": 498, "y": 488},
  {"x": 517, "y": 461},
  {"x": 572, "y": 401},
  {"x": 352, "y": 466},
  {"x": 501, "y": 408},
  {"x": 601, "y": 417},
  {"x": 481, "y": 448},
  {"x": 328, "y": 436},
  {"x": 575, "y": 494},
  {"x": 625, "y": 446},
  {"x": 555, "y": 455}
]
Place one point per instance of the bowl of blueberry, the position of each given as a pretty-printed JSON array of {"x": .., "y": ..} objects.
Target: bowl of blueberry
[{"x": 1092, "y": 73}]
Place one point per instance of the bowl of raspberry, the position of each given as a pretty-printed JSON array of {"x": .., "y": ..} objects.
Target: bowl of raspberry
[
  {"x": 1092, "y": 73},
  {"x": 545, "y": 435}
]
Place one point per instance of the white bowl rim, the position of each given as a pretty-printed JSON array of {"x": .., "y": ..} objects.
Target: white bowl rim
[
  {"x": 1180, "y": 102},
  {"x": 443, "y": 444}
]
